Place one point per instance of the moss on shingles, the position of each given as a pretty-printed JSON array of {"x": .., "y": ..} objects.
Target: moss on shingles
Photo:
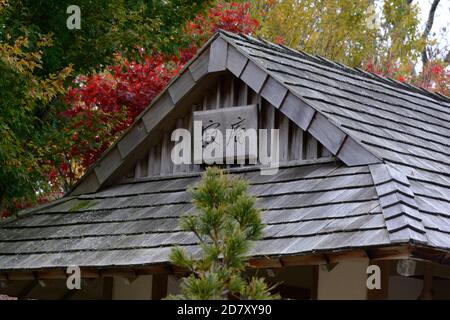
[{"x": 83, "y": 204}]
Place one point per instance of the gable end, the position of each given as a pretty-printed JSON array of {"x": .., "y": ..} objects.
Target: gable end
[{"x": 216, "y": 56}]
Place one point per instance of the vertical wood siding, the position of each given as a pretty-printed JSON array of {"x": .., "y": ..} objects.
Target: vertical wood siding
[{"x": 295, "y": 144}]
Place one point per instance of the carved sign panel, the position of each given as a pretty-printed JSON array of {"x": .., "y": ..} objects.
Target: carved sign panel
[{"x": 232, "y": 129}]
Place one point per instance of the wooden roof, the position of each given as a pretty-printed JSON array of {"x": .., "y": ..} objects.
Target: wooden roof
[
  {"x": 308, "y": 208},
  {"x": 390, "y": 183}
]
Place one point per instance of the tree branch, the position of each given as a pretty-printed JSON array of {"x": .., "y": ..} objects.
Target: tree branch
[
  {"x": 447, "y": 57},
  {"x": 427, "y": 30}
]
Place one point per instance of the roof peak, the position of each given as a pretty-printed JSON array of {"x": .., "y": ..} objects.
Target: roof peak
[{"x": 349, "y": 114}]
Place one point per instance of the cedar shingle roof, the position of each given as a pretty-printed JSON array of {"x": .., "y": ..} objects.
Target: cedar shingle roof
[
  {"x": 309, "y": 208},
  {"x": 406, "y": 127},
  {"x": 401, "y": 195}
]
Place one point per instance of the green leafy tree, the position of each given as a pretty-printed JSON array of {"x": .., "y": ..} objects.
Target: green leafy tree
[
  {"x": 22, "y": 149},
  {"x": 40, "y": 57},
  {"x": 379, "y": 36},
  {"x": 225, "y": 224},
  {"x": 108, "y": 27},
  {"x": 344, "y": 30}
]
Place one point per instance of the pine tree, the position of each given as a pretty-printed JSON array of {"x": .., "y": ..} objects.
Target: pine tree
[{"x": 225, "y": 223}]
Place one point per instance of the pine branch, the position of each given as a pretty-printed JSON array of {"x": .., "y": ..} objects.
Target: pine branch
[{"x": 225, "y": 226}]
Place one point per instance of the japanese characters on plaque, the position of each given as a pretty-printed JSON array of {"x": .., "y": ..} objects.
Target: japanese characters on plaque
[{"x": 229, "y": 133}]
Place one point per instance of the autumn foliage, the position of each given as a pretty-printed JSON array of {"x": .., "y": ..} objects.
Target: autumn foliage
[
  {"x": 104, "y": 104},
  {"x": 99, "y": 106},
  {"x": 435, "y": 77}
]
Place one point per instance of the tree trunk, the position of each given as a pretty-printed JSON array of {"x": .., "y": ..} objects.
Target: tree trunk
[
  {"x": 447, "y": 57},
  {"x": 427, "y": 30}
]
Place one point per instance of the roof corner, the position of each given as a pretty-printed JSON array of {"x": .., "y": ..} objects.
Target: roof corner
[{"x": 398, "y": 205}]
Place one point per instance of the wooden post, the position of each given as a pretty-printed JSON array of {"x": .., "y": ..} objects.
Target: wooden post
[
  {"x": 26, "y": 290},
  {"x": 218, "y": 94},
  {"x": 283, "y": 126},
  {"x": 108, "y": 283},
  {"x": 159, "y": 286},
  {"x": 69, "y": 294},
  {"x": 427, "y": 291},
  {"x": 166, "y": 161},
  {"x": 179, "y": 167},
  {"x": 312, "y": 147},
  {"x": 296, "y": 142},
  {"x": 383, "y": 292},
  {"x": 315, "y": 282},
  {"x": 150, "y": 161}
]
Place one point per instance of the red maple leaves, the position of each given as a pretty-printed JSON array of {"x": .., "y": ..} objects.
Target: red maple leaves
[{"x": 103, "y": 105}]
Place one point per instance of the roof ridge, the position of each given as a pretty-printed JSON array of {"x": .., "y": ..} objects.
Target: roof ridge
[
  {"x": 90, "y": 170},
  {"x": 214, "y": 59},
  {"x": 374, "y": 158},
  {"x": 210, "y": 59},
  {"x": 333, "y": 64}
]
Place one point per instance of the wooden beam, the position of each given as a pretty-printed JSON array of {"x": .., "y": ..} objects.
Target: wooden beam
[
  {"x": 430, "y": 254},
  {"x": 182, "y": 86},
  {"x": 135, "y": 135},
  {"x": 354, "y": 255},
  {"x": 296, "y": 147},
  {"x": 389, "y": 253},
  {"x": 297, "y": 110},
  {"x": 303, "y": 260},
  {"x": 254, "y": 76},
  {"x": 159, "y": 286},
  {"x": 52, "y": 274},
  {"x": 353, "y": 154},
  {"x": 48, "y": 275},
  {"x": 158, "y": 111},
  {"x": 235, "y": 61},
  {"x": 163, "y": 268},
  {"x": 273, "y": 92},
  {"x": 129, "y": 275},
  {"x": 21, "y": 276},
  {"x": 57, "y": 274},
  {"x": 218, "y": 55},
  {"x": 265, "y": 262},
  {"x": 327, "y": 133},
  {"x": 199, "y": 67},
  {"x": 330, "y": 266},
  {"x": 217, "y": 104},
  {"x": 90, "y": 274},
  {"x": 111, "y": 161}
]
